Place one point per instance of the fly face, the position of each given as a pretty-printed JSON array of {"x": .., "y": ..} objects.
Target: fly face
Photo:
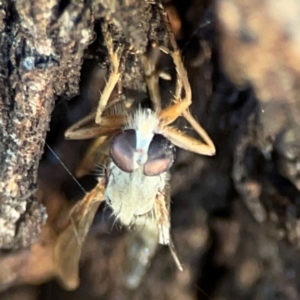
[{"x": 138, "y": 171}]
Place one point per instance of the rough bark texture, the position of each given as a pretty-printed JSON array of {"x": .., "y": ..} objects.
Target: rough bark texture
[
  {"x": 235, "y": 216},
  {"x": 41, "y": 56}
]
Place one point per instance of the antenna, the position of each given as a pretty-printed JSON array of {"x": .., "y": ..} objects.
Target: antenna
[{"x": 65, "y": 167}]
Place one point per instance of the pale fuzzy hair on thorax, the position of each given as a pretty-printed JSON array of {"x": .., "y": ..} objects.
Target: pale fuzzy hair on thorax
[{"x": 145, "y": 121}]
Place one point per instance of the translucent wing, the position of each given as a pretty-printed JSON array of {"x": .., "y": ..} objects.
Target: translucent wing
[
  {"x": 150, "y": 230},
  {"x": 142, "y": 246},
  {"x": 68, "y": 247}
]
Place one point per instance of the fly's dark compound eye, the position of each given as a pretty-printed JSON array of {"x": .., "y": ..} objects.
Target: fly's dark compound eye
[
  {"x": 161, "y": 155},
  {"x": 122, "y": 148}
]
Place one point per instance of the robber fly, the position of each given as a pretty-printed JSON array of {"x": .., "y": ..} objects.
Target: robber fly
[{"x": 141, "y": 146}]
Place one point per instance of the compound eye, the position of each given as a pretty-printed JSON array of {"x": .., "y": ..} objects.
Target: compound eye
[
  {"x": 122, "y": 148},
  {"x": 161, "y": 155}
]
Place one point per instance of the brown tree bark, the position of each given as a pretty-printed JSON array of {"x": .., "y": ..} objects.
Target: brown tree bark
[{"x": 41, "y": 53}]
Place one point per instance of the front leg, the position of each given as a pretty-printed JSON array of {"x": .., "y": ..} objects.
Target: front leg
[
  {"x": 181, "y": 103},
  {"x": 114, "y": 77},
  {"x": 184, "y": 141},
  {"x": 152, "y": 75}
]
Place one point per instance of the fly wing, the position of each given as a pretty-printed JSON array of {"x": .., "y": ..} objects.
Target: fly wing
[
  {"x": 68, "y": 247},
  {"x": 142, "y": 246},
  {"x": 96, "y": 155}
]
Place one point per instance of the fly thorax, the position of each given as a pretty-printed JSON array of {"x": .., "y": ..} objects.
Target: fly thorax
[{"x": 132, "y": 194}]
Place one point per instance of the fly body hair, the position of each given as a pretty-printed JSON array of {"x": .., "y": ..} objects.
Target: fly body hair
[
  {"x": 100, "y": 171},
  {"x": 143, "y": 120}
]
